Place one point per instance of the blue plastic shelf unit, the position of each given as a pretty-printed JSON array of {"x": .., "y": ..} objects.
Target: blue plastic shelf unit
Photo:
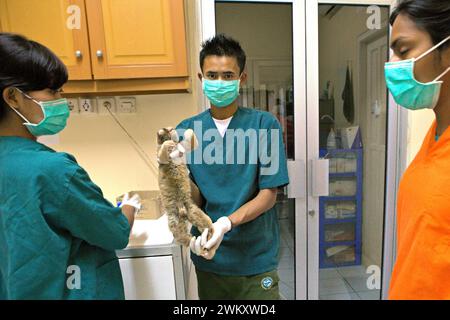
[{"x": 340, "y": 230}]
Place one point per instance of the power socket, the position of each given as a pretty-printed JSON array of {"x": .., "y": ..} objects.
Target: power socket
[
  {"x": 73, "y": 106},
  {"x": 127, "y": 105},
  {"x": 87, "y": 106},
  {"x": 106, "y": 103}
]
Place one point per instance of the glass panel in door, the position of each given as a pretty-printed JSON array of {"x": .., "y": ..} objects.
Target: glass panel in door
[
  {"x": 353, "y": 47},
  {"x": 265, "y": 32}
]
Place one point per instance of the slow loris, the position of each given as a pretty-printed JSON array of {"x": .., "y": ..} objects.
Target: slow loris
[{"x": 175, "y": 188}]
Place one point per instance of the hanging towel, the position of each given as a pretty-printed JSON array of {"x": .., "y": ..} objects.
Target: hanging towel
[{"x": 347, "y": 96}]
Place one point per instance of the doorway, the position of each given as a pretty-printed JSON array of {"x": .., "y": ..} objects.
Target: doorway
[
  {"x": 352, "y": 137},
  {"x": 269, "y": 88},
  {"x": 307, "y": 60}
]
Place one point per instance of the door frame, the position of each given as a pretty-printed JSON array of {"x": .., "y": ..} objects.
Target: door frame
[
  {"x": 306, "y": 111},
  {"x": 388, "y": 252}
]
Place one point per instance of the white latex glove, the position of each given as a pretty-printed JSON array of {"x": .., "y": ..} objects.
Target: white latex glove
[
  {"x": 197, "y": 243},
  {"x": 201, "y": 246},
  {"x": 134, "y": 201}
]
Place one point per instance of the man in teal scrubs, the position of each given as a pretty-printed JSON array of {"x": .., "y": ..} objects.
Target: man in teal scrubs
[
  {"x": 58, "y": 234},
  {"x": 238, "y": 169}
]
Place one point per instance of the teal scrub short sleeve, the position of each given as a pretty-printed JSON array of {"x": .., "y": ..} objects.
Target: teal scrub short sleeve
[
  {"x": 272, "y": 170},
  {"x": 89, "y": 216}
]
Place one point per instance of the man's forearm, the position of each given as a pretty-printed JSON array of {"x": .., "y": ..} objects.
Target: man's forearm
[{"x": 264, "y": 201}]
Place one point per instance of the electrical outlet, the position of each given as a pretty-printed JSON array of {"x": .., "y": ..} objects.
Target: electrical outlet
[
  {"x": 87, "y": 106},
  {"x": 73, "y": 106},
  {"x": 105, "y": 103},
  {"x": 127, "y": 105}
]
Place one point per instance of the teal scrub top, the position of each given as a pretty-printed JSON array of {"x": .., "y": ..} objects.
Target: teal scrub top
[
  {"x": 227, "y": 183},
  {"x": 58, "y": 235}
]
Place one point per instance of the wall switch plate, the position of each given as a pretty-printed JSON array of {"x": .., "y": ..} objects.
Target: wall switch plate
[
  {"x": 105, "y": 103},
  {"x": 73, "y": 106},
  {"x": 87, "y": 106},
  {"x": 127, "y": 105}
]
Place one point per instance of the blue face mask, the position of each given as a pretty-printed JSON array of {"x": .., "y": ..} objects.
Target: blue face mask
[
  {"x": 56, "y": 113},
  {"x": 221, "y": 93},
  {"x": 406, "y": 90}
]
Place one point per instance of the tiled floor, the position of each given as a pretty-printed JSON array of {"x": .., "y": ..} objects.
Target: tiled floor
[
  {"x": 286, "y": 267},
  {"x": 345, "y": 283}
]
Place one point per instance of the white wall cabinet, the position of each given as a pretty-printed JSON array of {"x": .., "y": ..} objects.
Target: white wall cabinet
[
  {"x": 150, "y": 278},
  {"x": 152, "y": 273}
]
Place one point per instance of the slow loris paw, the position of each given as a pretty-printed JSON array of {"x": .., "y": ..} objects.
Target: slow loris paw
[
  {"x": 210, "y": 231},
  {"x": 163, "y": 154},
  {"x": 209, "y": 254}
]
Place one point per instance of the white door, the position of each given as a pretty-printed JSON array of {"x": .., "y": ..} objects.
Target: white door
[
  {"x": 374, "y": 119},
  {"x": 273, "y": 35},
  {"x": 350, "y": 211},
  {"x": 289, "y": 60}
]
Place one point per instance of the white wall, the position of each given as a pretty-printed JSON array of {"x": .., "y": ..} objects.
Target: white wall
[{"x": 107, "y": 154}]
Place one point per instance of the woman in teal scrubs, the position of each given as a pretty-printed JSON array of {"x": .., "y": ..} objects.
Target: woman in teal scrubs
[{"x": 58, "y": 234}]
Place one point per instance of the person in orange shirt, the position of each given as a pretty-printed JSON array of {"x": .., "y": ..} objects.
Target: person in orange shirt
[{"x": 418, "y": 76}]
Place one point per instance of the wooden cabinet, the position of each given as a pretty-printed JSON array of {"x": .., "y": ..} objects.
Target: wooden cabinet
[
  {"x": 137, "y": 39},
  {"x": 45, "y": 21},
  {"x": 117, "y": 45}
]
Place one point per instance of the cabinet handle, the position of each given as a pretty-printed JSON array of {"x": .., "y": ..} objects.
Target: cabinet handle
[
  {"x": 99, "y": 53},
  {"x": 78, "y": 54}
]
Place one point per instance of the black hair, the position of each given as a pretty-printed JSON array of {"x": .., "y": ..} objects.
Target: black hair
[
  {"x": 29, "y": 66},
  {"x": 432, "y": 16},
  {"x": 222, "y": 45}
]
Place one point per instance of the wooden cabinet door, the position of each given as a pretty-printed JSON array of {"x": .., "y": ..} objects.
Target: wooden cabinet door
[
  {"x": 46, "y": 21},
  {"x": 137, "y": 38}
]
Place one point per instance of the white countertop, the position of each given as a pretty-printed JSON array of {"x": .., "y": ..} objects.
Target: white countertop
[{"x": 151, "y": 233}]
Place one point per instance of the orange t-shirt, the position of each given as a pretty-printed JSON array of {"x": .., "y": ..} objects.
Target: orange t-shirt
[{"x": 422, "y": 269}]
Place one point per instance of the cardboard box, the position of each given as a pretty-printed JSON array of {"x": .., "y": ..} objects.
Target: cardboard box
[
  {"x": 340, "y": 165},
  {"x": 151, "y": 204},
  {"x": 343, "y": 188},
  {"x": 350, "y": 165},
  {"x": 331, "y": 212},
  {"x": 333, "y": 165}
]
